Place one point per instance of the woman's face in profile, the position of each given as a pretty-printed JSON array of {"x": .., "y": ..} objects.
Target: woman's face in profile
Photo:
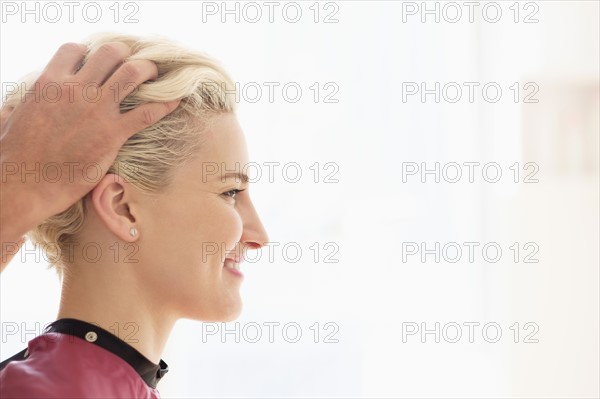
[{"x": 187, "y": 233}]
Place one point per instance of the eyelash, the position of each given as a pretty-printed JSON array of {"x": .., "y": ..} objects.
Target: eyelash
[{"x": 234, "y": 191}]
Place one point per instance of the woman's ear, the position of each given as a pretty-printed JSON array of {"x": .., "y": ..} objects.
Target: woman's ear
[{"x": 112, "y": 199}]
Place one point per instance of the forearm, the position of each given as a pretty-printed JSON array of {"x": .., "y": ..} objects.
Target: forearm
[{"x": 19, "y": 213}]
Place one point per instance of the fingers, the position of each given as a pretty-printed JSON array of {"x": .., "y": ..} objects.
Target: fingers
[
  {"x": 101, "y": 65},
  {"x": 129, "y": 76},
  {"x": 67, "y": 59},
  {"x": 146, "y": 115},
  {"x": 106, "y": 67}
]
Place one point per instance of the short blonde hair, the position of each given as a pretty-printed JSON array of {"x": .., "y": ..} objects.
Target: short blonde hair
[{"x": 150, "y": 157}]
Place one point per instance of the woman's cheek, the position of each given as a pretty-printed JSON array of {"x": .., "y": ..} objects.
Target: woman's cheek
[{"x": 231, "y": 228}]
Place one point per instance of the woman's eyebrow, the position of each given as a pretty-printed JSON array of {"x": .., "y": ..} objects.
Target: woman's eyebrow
[{"x": 238, "y": 176}]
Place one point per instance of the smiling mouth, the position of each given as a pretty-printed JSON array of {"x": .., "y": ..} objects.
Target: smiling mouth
[{"x": 232, "y": 266}]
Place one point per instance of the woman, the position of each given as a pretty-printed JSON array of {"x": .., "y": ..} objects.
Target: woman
[{"x": 159, "y": 238}]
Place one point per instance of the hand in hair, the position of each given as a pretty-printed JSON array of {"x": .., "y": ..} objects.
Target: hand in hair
[{"x": 65, "y": 133}]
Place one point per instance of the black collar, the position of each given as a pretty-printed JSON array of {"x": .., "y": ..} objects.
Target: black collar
[{"x": 151, "y": 373}]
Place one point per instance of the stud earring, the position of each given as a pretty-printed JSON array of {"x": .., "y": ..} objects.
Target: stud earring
[{"x": 133, "y": 231}]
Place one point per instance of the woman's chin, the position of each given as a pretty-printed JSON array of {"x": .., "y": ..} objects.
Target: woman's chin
[
  {"x": 231, "y": 317},
  {"x": 224, "y": 314},
  {"x": 232, "y": 312}
]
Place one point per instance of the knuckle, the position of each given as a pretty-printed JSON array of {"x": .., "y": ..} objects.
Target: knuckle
[
  {"x": 112, "y": 51},
  {"x": 71, "y": 48},
  {"x": 149, "y": 117},
  {"x": 44, "y": 79},
  {"x": 131, "y": 70}
]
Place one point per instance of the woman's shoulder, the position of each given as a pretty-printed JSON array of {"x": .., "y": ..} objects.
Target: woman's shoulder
[{"x": 61, "y": 365}]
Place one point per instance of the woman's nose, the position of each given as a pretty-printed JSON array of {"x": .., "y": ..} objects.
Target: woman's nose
[{"x": 254, "y": 235}]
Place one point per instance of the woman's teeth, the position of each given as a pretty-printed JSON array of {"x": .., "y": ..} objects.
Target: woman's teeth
[{"x": 232, "y": 265}]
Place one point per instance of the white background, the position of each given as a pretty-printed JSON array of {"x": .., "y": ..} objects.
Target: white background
[{"x": 370, "y": 294}]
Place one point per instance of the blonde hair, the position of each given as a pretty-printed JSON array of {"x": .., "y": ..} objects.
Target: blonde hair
[{"x": 150, "y": 157}]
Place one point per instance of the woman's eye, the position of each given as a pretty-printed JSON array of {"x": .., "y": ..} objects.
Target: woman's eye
[{"x": 232, "y": 193}]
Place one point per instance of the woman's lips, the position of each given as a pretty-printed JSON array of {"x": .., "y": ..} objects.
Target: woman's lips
[{"x": 233, "y": 266}]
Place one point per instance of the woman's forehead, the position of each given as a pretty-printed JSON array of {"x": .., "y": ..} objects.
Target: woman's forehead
[
  {"x": 222, "y": 154},
  {"x": 224, "y": 142}
]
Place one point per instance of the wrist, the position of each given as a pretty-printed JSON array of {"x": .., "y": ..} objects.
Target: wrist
[{"x": 20, "y": 211}]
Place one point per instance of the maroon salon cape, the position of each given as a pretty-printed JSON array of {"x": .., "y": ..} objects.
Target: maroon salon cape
[{"x": 76, "y": 359}]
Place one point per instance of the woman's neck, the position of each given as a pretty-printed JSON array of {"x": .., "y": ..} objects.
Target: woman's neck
[{"x": 110, "y": 298}]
